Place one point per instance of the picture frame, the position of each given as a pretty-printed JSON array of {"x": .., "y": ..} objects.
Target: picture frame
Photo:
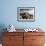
[{"x": 26, "y": 14}]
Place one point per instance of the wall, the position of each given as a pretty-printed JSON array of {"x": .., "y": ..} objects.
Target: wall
[{"x": 9, "y": 13}]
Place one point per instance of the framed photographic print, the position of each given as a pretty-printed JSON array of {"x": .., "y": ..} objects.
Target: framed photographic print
[{"x": 26, "y": 14}]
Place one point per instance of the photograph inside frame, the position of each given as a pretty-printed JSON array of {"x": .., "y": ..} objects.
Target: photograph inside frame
[{"x": 26, "y": 13}]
